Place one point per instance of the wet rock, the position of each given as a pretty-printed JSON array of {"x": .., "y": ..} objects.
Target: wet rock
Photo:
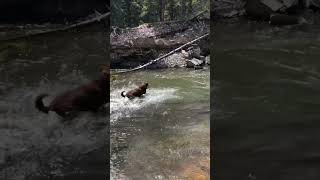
[
  {"x": 207, "y": 60},
  {"x": 274, "y": 5},
  {"x": 290, "y": 3},
  {"x": 185, "y": 54},
  {"x": 197, "y": 67},
  {"x": 258, "y": 10},
  {"x": 194, "y": 63},
  {"x": 195, "y": 52},
  {"x": 262, "y": 9}
]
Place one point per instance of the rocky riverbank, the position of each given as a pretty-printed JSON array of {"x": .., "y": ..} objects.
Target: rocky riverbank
[{"x": 275, "y": 12}]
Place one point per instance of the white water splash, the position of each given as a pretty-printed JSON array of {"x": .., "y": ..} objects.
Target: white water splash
[{"x": 124, "y": 107}]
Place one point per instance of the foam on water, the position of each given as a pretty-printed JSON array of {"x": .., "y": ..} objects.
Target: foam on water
[{"x": 124, "y": 107}]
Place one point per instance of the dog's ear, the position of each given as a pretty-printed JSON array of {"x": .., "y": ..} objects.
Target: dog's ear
[
  {"x": 104, "y": 67},
  {"x": 105, "y": 72}
]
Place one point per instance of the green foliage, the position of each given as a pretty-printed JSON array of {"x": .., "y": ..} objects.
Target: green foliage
[{"x": 131, "y": 13}]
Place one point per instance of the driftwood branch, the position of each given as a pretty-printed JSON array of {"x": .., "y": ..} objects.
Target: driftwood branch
[
  {"x": 82, "y": 23},
  {"x": 161, "y": 57}
]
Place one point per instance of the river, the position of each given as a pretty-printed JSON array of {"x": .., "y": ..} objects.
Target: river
[{"x": 165, "y": 134}]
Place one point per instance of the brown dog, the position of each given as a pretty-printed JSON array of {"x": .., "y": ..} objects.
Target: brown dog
[
  {"x": 138, "y": 92},
  {"x": 88, "y": 97}
]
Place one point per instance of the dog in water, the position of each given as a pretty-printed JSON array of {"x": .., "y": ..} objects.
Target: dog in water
[
  {"x": 88, "y": 97},
  {"x": 138, "y": 92}
]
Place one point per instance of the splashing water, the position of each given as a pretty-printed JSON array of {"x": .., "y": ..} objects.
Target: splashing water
[{"x": 124, "y": 107}]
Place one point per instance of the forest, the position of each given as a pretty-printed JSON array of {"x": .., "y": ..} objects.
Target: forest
[{"x": 131, "y": 13}]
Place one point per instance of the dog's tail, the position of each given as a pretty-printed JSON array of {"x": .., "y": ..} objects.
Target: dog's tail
[
  {"x": 39, "y": 104},
  {"x": 122, "y": 94}
]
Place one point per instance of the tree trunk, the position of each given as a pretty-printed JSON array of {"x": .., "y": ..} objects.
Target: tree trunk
[
  {"x": 128, "y": 8},
  {"x": 190, "y": 7},
  {"x": 183, "y": 8},
  {"x": 162, "y": 9},
  {"x": 171, "y": 10}
]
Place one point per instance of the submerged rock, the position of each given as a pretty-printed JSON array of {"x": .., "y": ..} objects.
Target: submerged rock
[{"x": 196, "y": 170}]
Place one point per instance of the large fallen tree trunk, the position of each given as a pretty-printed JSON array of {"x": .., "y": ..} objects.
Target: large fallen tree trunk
[
  {"x": 164, "y": 56},
  {"x": 133, "y": 46}
]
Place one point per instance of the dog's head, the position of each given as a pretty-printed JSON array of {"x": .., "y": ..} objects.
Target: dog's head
[
  {"x": 105, "y": 76},
  {"x": 144, "y": 86},
  {"x": 105, "y": 71}
]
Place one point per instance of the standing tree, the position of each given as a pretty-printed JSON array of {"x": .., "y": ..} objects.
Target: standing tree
[
  {"x": 130, "y": 13},
  {"x": 162, "y": 7}
]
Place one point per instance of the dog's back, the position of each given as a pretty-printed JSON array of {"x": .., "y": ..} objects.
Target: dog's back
[
  {"x": 138, "y": 92},
  {"x": 88, "y": 97}
]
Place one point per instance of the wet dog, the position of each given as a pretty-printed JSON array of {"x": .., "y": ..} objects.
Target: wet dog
[
  {"x": 138, "y": 92},
  {"x": 88, "y": 97}
]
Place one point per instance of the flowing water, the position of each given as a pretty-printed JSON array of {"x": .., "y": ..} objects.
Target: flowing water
[
  {"x": 165, "y": 134},
  {"x": 266, "y": 105},
  {"x": 40, "y": 146}
]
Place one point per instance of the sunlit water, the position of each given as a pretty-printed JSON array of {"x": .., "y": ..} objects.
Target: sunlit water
[
  {"x": 165, "y": 134},
  {"x": 40, "y": 146},
  {"x": 266, "y": 101}
]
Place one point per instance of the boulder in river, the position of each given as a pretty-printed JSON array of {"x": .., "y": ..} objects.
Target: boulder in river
[
  {"x": 195, "y": 52},
  {"x": 207, "y": 59},
  {"x": 194, "y": 62}
]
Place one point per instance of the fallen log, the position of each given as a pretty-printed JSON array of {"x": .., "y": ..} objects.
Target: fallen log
[
  {"x": 164, "y": 56},
  {"x": 76, "y": 25}
]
